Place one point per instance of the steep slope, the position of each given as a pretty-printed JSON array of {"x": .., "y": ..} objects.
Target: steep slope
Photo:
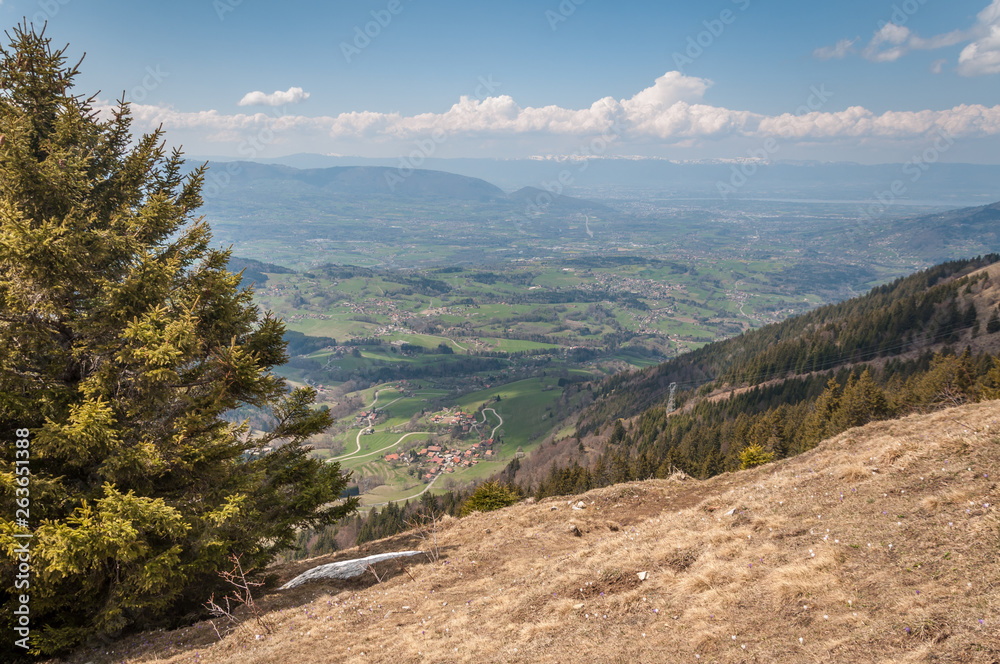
[
  {"x": 881, "y": 545},
  {"x": 926, "y": 310}
]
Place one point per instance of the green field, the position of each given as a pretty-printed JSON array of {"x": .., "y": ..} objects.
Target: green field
[{"x": 433, "y": 318}]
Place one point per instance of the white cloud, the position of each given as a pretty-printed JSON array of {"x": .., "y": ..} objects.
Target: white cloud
[
  {"x": 670, "y": 112},
  {"x": 839, "y": 50},
  {"x": 938, "y": 65},
  {"x": 893, "y": 40},
  {"x": 982, "y": 56},
  {"x": 276, "y": 98},
  {"x": 860, "y": 123},
  {"x": 891, "y": 34}
]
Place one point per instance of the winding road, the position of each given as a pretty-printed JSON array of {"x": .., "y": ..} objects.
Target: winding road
[
  {"x": 354, "y": 455},
  {"x": 416, "y": 495},
  {"x": 357, "y": 439},
  {"x": 389, "y": 447},
  {"x": 431, "y": 483}
]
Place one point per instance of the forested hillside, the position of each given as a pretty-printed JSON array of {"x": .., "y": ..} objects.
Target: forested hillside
[
  {"x": 916, "y": 345},
  {"x": 940, "y": 305}
]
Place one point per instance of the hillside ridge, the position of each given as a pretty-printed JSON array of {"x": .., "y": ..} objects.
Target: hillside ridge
[{"x": 879, "y": 545}]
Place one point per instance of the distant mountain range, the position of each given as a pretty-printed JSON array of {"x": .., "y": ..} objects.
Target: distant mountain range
[
  {"x": 941, "y": 183},
  {"x": 364, "y": 182},
  {"x": 359, "y": 191}
]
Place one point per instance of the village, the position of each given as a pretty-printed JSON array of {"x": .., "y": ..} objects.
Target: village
[{"x": 432, "y": 460}]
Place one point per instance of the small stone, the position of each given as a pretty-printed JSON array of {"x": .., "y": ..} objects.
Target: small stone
[
  {"x": 575, "y": 530},
  {"x": 643, "y": 575},
  {"x": 578, "y": 606}
]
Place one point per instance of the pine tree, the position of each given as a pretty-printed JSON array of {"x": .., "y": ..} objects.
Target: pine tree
[
  {"x": 862, "y": 401},
  {"x": 989, "y": 387},
  {"x": 754, "y": 455},
  {"x": 817, "y": 424},
  {"x": 124, "y": 342},
  {"x": 489, "y": 496},
  {"x": 993, "y": 324}
]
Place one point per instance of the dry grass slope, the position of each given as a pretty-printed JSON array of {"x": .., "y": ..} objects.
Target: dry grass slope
[{"x": 881, "y": 545}]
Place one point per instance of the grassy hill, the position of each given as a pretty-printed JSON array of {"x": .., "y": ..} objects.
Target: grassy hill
[{"x": 880, "y": 545}]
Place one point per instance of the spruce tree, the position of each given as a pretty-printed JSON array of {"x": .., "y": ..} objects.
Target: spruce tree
[
  {"x": 862, "y": 402},
  {"x": 993, "y": 324},
  {"x": 124, "y": 343}
]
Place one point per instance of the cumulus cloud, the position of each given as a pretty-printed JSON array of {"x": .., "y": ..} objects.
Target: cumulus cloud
[
  {"x": 276, "y": 98},
  {"x": 672, "y": 111},
  {"x": 860, "y": 123},
  {"x": 893, "y": 40},
  {"x": 982, "y": 56},
  {"x": 891, "y": 35},
  {"x": 839, "y": 50}
]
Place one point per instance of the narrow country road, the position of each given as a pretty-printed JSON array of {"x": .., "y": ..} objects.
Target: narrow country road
[
  {"x": 389, "y": 447},
  {"x": 357, "y": 439},
  {"x": 416, "y": 495},
  {"x": 493, "y": 433}
]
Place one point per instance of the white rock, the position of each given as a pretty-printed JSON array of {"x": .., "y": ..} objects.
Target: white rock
[{"x": 345, "y": 569}]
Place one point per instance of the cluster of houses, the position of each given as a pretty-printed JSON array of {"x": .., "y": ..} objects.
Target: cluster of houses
[
  {"x": 367, "y": 420},
  {"x": 435, "y": 459},
  {"x": 464, "y": 421}
]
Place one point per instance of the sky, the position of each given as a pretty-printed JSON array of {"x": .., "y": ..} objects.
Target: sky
[{"x": 856, "y": 80}]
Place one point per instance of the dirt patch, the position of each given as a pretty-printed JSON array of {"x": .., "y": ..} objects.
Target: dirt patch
[{"x": 611, "y": 582}]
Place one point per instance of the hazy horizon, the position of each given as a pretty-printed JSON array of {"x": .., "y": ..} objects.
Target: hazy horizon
[{"x": 855, "y": 81}]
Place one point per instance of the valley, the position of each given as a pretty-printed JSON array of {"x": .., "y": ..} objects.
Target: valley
[{"x": 406, "y": 309}]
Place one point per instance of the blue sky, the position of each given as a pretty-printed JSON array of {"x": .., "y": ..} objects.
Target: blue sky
[{"x": 866, "y": 81}]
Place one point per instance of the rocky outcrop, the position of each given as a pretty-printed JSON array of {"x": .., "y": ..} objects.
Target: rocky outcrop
[{"x": 345, "y": 569}]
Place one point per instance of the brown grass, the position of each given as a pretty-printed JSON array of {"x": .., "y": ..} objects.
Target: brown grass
[{"x": 881, "y": 545}]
